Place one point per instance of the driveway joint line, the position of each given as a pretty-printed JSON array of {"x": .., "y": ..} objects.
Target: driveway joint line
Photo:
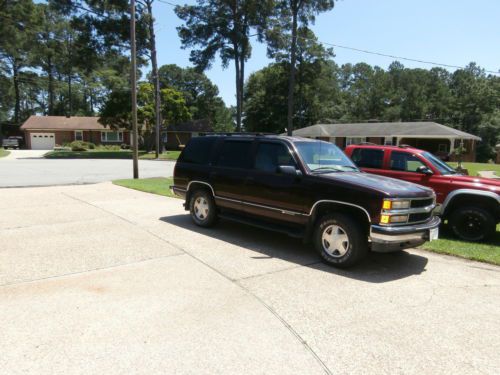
[
  {"x": 278, "y": 271},
  {"x": 91, "y": 270},
  {"x": 290, "y": 329}
]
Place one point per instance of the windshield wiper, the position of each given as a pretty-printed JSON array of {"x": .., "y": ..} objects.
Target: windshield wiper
[{"x": 329, "y": 169}]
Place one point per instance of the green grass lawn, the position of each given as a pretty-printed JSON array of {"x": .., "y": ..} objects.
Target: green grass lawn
[
  {"x": 483, "y": 252},
  {"x": 90, "y": 154},
  {"x": 156, "y": 185},
  {"x": 473, "y": 168},
  {"x": 167, "y": 155},
  {"x": 3, "y": 152}
]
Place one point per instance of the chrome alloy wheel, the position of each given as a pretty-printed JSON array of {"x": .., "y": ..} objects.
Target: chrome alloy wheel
[
  {"x": 335, "y": 241},
  {"x": 201, "y": 208}
]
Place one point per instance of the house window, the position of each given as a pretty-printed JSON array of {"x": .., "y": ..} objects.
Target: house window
[
  {"x": 354, "y": 140},
  {"x": 388, "y": 141},
  {"x": 443, "y": 147},
  {"x": 78, "y": 135},
  {"x": 111, "y": 136}
]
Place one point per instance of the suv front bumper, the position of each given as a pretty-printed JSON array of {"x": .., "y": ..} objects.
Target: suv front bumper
[{"x": 386, "y": 239}]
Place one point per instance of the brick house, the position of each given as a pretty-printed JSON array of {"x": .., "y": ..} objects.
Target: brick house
[
  {"x": 439, "y": 139},
  {"x": 45, "y": 132}
]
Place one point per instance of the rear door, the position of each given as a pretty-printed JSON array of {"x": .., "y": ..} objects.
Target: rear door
[
  {"x": 227, "y": 176},
  {"x": 270, "y": 193},
  {"x": 369, "y": 160}
]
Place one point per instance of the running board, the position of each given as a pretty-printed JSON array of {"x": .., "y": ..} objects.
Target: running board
[{"x": 289, "y": 231}]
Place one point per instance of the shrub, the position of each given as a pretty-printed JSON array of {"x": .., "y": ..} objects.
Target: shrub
[
  {"x": 125, "y": 146},
  {"x": 78, "y": 146},
  {"x": 91, "y": 146}
]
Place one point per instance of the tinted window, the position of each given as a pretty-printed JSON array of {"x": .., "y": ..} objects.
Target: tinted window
[
  {"x": 235, "y": 154},
  {"x": 271, "y": 155},
  {"x": 402, "y": 161},
  {"x": 198, "y": 150},
  {"x": 368, "y": 158}
]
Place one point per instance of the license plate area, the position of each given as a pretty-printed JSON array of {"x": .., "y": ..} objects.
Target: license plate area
[{"x": 433, "y": 234}]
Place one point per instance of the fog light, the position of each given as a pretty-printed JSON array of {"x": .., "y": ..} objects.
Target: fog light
[
  {"x": 398, "y": 219},
  {"x": 384, "y": 219}
]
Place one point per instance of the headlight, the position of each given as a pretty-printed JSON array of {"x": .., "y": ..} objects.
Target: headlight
[
  {"x": 394, "y": 219},
  {"x": 395, "y": 205}
]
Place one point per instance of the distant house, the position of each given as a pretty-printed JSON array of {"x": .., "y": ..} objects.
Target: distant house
[
  {"x": 178, "y": 135},
  {"x": 431, "y": 136},
  {"x": 44, "y": 132}
]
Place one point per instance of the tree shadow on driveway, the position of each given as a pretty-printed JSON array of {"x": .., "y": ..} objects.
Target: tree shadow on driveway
[{"x": 377, "y": 268}]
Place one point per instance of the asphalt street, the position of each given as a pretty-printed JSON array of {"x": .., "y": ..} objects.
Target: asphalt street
[
  {"x": 27, "y": 168},
  {"x": 100, "y": 279}
]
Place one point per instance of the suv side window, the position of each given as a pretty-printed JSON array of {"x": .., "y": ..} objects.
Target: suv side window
[
  {"x": 405, "y": 162},
  {"x": 198, "y": 151},
  {"x": 235, "y": 154},
  {"x": 271, "y": 155},
  {"x": 368, "y": 158}
]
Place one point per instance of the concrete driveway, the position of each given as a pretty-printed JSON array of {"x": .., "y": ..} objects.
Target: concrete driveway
[
  {"x": 27, "y": 168},
  {"x": 99, "y": 279}
]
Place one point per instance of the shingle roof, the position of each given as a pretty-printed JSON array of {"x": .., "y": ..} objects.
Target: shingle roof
[
  {"x": 384, "y": 129},
  {"x": 62, "y": 123}
]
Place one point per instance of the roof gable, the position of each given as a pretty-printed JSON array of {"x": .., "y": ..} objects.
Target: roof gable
[{"x": 62, "y": 123}]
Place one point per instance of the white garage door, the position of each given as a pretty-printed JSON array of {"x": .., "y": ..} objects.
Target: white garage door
[{"x": 43, "y": 141}]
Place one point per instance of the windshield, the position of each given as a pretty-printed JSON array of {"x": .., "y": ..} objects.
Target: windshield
[
  {"x": 324, "y": 157},
  {"x": 440, "y": 165}
]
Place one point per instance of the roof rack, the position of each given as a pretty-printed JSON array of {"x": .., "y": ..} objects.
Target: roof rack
[
  {"x": 238, "y": 134},
  {"x": 404, "y": 146},
  {"x": 367, "y": 143}
]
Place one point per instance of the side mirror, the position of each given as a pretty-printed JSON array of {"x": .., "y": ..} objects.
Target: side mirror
[
  {"x": 288, "y": 170},
  {"x": 424, "y": 170}
]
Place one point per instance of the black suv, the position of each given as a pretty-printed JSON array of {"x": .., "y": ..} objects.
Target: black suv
[{"x": 304, "y": 188}]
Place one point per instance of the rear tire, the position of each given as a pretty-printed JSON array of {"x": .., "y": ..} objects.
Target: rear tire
[
  {"x": 472, "y": 223},
  {"x": 340, "y": 241},
  {"x": 202, "y": 208}
]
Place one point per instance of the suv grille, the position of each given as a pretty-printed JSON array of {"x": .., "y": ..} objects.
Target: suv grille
[{"x": 416, "y": 203}]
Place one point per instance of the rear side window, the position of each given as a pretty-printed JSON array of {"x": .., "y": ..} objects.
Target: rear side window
[
  {"x": 368, "y": 158},
  {"x": 198, "y": 151},
  {"x": 405, "y": 162},
  {"x": 235, "y": 154},
  {"x": 271, "y": 155}
]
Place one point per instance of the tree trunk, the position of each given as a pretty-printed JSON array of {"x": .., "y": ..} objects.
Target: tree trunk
[
  {"x": 242, "y": 83},
  {"x": 238, "y": 91},
  {"x": 155, "y": 77},
  {"x": 15, "y": 77},
  {"x": 291, "y": 81},
  {"x": 50, "y": 75}
]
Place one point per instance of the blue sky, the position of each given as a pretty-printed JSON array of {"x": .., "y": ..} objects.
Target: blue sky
[{"x": 447, "y": 31}]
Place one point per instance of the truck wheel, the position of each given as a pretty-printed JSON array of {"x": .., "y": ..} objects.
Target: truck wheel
[
  {"x": 340, "y": 241},
  {"x": 202, "y": 208},
  {"x": 472, "y": 223}
]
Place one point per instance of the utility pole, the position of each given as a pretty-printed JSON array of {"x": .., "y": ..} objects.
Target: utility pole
[
  {"x": 133, "y": 79},
  {"x": 156, "y": 78}
]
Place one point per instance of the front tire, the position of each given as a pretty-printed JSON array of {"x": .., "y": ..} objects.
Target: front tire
[
  {"x": 472, "y": 223},
  {"x": 340, "y": 241},
  {"x": 202, "y": 208}
]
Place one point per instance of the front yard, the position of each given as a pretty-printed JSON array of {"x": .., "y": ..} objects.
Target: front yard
[
  {"x": 483, "y": 252},
  {"x": 108, "y": 154},
  {"x": 3, "y": 152},
  {"x": 473, "y": 168}
]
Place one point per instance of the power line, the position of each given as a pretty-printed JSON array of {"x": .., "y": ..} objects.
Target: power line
[{"x": 367, "y": 51}]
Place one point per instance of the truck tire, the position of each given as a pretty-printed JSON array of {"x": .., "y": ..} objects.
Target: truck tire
[
  {"x": 340, "y": 240},
  {"x": 472, "y": 223},
  {"x": 202, "y": 208}
]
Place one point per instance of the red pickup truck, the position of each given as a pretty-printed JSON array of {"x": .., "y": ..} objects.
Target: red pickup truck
[{"x": 470, "y": 205}]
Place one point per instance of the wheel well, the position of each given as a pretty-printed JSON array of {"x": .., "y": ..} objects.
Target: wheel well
[
  {"x": 330, "y": 208},
  {"x": 463, "y": 200},
  {"x": 193, "y": 186}
]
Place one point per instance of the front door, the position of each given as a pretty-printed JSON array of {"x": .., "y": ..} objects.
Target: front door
[
  {"x": 270, "y": 193},
  {"x": 404, "y": 166}
]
